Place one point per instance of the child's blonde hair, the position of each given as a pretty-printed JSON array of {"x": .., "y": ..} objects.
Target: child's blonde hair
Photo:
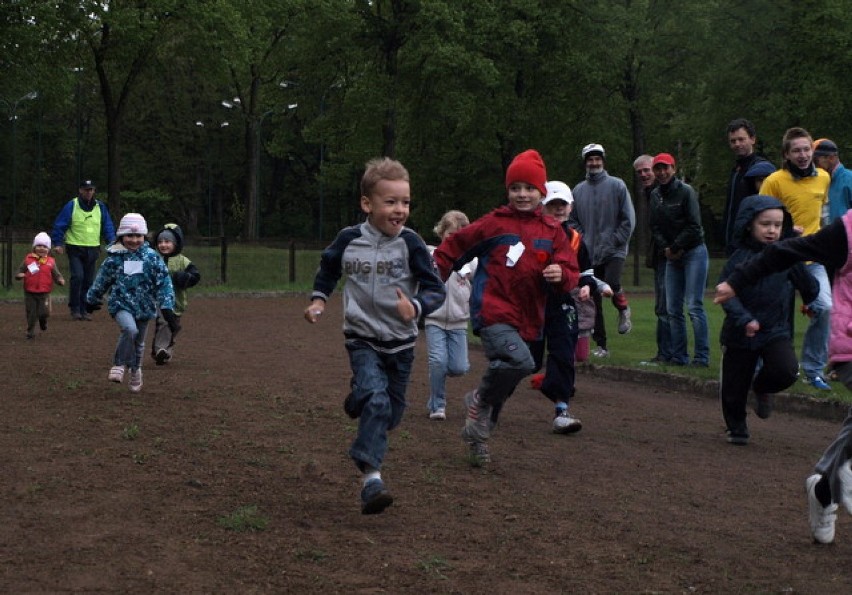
[
  {"x": 450, "y": 219},
  {"x": 382, "y": 168}
]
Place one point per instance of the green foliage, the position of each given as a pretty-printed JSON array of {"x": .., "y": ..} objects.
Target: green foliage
[{"x": 244, "y": 518}]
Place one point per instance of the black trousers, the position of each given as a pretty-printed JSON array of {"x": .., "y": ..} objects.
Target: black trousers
[{"x": 779, "y": 370}]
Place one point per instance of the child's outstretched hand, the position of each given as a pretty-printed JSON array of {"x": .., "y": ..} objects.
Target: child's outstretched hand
[
  {"x": 724, "y": 292},
  {"x": 314, "y": 311},
  {"x": 584, "y": 294},
  {"x": 406, "y": 309}
]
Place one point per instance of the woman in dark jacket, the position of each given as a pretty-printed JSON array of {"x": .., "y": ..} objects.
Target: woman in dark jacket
[
  {"x": 676, "y": 226},
  {"x": 757, "y": 323}
]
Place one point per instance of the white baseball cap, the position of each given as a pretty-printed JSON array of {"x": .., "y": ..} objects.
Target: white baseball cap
[{"x": 557, "y": 190}]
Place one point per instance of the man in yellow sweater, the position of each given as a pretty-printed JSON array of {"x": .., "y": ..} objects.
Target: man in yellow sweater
[{"x": 803, "y": 188}]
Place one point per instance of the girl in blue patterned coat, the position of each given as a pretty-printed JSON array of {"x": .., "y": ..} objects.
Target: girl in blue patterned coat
[{"x": 138, "y": 281}]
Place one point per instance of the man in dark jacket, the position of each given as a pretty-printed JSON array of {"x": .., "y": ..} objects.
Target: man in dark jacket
[{"x": 741, "y": 138}]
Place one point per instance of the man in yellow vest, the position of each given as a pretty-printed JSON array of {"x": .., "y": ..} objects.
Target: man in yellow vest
[{"x": 77, "y": 231}]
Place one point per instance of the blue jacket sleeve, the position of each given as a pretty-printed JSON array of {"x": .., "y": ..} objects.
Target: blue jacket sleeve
[
  {"x": 107, "y": 227},
  {"x": 330, "y": 269},
  {"x": 60, "y": 226},
  {"x": 431, "y": 291}
]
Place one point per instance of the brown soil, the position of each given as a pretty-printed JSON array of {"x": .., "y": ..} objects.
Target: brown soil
[{"x": 105, "y": 490}]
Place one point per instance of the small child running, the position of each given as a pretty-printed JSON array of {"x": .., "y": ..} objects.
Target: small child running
[
  {"x": 390, "y": 284},
  {"x": 520, "y": 251},
  {"x": 138, "y": 282},
  {"x": 184, "y": 274},
  {"x": 38, "y": 272}
]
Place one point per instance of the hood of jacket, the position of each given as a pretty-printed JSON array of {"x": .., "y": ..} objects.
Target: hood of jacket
[
  {"x": 749, "y": 208},
  {"x": 175, "y": 229}
]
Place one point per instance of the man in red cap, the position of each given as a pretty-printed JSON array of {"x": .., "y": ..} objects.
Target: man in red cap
[
  {"x": 604, "y": 214},
  {"x": 518, "y": 248}
]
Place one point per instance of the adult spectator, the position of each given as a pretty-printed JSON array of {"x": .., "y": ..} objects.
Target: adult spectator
[
  {"x": 741, "y": 138},
  {"x": 603, "y": 212},
  {"x": 654, "y": 259},
  {"x": 676, "y": 225},
  {"x": 77, "y": 231},
  {"x": 827, "y": 157},
  {"x": 803, "y": 188}
]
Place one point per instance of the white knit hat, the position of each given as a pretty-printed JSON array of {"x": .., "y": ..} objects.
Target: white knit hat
[
  {"x": 132, "y": 223},
  {"x": 42, "y": 239}
]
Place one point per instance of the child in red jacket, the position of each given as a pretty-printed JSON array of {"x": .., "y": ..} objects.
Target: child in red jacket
[
  {"x": 39, "y": 272},
  {"x": 518, "y": 250}
]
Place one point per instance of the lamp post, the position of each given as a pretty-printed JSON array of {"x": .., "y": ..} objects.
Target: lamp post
[
  {"x": 12, "y": 107},
  {"x": 209, "y": 168}
]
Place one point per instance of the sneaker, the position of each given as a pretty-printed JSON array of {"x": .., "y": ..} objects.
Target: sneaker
[
  {"x": 844, "y": 473},
  {"x": 821, "y": 518},
  {"x": 477, "y": 427},
  {"x": 439, "y": 414},
  {"x": 162, "y": 357},
  {"x": 737, "y": 438},
  {"x": 763, "y": 406},
  {"x": 30, "y": 335},
  {"x": 600, "y": 352},
  {"x": 116, "y": 374},
  {"x": 565, "y": 423},
  {"x": 624, "y": 324},
  {"x": 818, "y": 382},
  {"x": 375, "y": 497},
  {"x": 42, "y": 323},
  {"x": 479, "y": 454},
  {"x": 135, "y": 383},
  {"x": 85, "y": 316}
]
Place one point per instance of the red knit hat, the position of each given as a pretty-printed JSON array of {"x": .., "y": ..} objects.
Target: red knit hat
[{"x": 528, "y": 167}]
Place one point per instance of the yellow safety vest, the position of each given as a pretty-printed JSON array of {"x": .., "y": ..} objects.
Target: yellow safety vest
[{"x": 85, "y": 226}]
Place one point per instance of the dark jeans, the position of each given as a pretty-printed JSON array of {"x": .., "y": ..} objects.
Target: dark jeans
[
  {"x": 779, "y": 371},
  {"x": 610, "y": 272},
  {"x": 560, "y": 338},
  {"x": 82, "y": 261},
  {"x": 664, "y": 332}
]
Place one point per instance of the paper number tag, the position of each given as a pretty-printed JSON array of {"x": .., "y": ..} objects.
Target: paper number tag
[
  {"x": 33, "y": 267},
  {"x": 514, "y": 254},
  {"x": 133, "y": 267}
]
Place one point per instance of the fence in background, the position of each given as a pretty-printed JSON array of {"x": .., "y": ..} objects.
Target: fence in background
[{"x": 265, "y": 265}]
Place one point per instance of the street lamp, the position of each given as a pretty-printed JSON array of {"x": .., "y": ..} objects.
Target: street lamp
[
  {"x": 12, "y": 108},
  {"x": 200, "y": 124}
]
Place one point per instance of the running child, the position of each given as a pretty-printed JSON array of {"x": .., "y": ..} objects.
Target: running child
[{"x": 39, "y": 273}]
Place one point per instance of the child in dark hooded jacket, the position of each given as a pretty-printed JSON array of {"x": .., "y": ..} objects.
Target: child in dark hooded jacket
[
  {"x": 757, "y": 326},
  {"x": 169, "y": 244}
]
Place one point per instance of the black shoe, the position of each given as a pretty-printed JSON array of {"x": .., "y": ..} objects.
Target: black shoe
[
  {"x": 763, "y": 406},
  {"x": 30, "y": 335},
  {"x": 375, "y": 497},
  {"x": 162, "y": 357},
  {"x": 351, "y": 407},
  {"x": 42, "y": 322},
  {"x": 739, "y": 438},
  {"x": 698, "y": 364}
]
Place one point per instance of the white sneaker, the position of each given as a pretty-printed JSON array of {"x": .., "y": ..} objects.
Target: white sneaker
[
  {"x": 600, "y": 352},
  {"x": 565, "y": 423},
  {"x": 821, "y": 518},
  {"x": 135, "y": 383},
  {"x": 439, "y": 414},
  {"x": 845, "y": 475},
  {"x": 624, "y": 324},
  {"x": 116, "y": 374}
]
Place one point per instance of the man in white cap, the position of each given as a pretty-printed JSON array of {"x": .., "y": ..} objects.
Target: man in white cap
[{"x": 604, "y": 214}]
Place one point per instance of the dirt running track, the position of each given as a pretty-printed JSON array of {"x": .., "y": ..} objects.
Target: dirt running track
[{"x": 104, "y": 490}]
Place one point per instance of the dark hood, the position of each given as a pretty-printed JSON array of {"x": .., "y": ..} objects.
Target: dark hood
[
  {"x": 175, "y": 229},
  {"x": 749, "y": 208}
]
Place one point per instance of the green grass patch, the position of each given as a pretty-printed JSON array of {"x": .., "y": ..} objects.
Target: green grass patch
[{"x": 244, "y": 518}]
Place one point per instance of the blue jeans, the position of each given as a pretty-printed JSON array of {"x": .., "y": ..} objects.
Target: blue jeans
[
  {"x": 82, "y": 261},
  {"x": 664, "y": 331},
  {"x": 815, "y": 342},
  {"x": 131, "y": 341},
  {"x": 447, "y": 357},
  {"x": 378, "y": 387},
  {"x": 686, "y": 279}
]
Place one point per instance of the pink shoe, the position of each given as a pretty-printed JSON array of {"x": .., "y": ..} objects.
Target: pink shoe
[
  {"x": 116, "y": 374},
  {"x": 135, "y": 383}
]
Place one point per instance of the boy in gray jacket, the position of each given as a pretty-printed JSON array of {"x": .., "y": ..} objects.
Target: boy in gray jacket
[{"x": 391, "y": 282}]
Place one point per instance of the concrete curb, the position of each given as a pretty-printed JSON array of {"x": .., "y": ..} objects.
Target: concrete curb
[{"x": 800, "y": 404}]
